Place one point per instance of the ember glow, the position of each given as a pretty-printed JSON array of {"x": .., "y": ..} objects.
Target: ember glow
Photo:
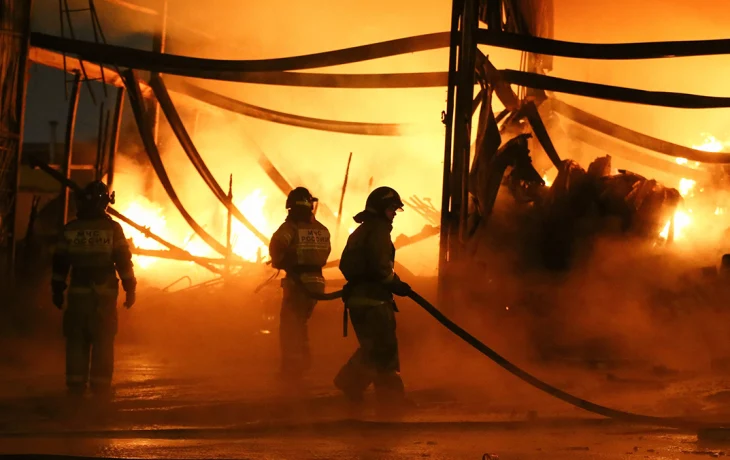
[
  {"x": 710, "y": 144},
  {"x": 682, "y": 220},
  {"x": 686, "y": 187},
  {"x": 162, "y": 219},
  {"x": 244, "y": 243},
  {"x": 700, "y": 216}
]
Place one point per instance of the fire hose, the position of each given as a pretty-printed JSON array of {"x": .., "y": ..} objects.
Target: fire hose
[{"x": 670, "y": 422}]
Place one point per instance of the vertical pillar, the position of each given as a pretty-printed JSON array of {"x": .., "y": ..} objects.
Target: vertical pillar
[
  {"x": 458, "y": 115},
  {"x": 159, "y": 42},
  {"x": 448, "y": 118},
  {"x": 15, "y": 43},
  {"x": 73, "y": 105},
  {"x": 114, "y": 136},
  {"x": 462, "y": 123}
]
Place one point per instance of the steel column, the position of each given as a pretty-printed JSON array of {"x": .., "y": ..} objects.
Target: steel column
[
  {"x": 114, "y": 136},
  {"x": 15, "y": 39},
  {"x": 448, "y": 118},
  {"x": 73, "y": 106}
]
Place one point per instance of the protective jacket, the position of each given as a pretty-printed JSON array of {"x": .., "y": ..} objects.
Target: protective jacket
[
  {"x": 301, "y": 247},
  {"x": 367, "y": 263},
  {"x": 94, "y": 249}
]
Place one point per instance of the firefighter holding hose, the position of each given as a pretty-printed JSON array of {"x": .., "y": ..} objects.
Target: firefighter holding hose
[
  {"x": 367, "y": 264},
  {"x": 300, "y": 247},
  {"x": 94, "y": 250}
]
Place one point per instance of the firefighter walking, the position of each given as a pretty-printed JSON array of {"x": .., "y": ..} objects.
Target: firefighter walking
[
  {"x": 300, "y": 247},
  {"x": 94, "y": 250},
  {"x": 367, "y": 264}
]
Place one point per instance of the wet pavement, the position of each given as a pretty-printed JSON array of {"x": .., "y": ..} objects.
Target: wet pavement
[{"x": 193, "y": 386}]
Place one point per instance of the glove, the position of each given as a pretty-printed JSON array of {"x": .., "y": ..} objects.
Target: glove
[
  {"x": 131, "y": 298},
  {"x": 58, "y": 300},
  {"x": 400, "y": 288}
]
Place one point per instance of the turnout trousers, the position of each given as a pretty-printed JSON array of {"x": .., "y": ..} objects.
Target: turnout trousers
[
  {"x": 90, "y": 326},
  {"x": 296, "y": 309},
  {"x": 376, "y": 360}
]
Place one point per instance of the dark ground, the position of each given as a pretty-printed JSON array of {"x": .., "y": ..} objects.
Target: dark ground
[{"x": 196, "y": 378}]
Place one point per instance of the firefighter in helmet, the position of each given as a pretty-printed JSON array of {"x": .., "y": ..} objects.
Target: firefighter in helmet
[
  {"x": 367, "y": 264},
  {"x": 300, "y": 247},
  {"x": 94, "y": 250}
]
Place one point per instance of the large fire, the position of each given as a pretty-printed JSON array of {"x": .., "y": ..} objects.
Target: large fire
[
  {"x": 151, "y": 215},
  {"x": 685, "y": 219}
]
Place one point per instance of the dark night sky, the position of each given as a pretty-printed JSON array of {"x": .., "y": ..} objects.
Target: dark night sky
[{"x": 46, "y": 100}]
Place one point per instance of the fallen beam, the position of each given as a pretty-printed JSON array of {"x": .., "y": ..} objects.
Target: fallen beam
[
  {"x": 181, "y": 87},
  {"x": 178, "y": 128},
  {"x": 111, "y": 77},
  {"x": 45, "y": 167},
  {"x": 143, "y": 126},
  {"x": 620, "y": 149},
  {"x": 614, "y": 93},
  {"x": 634, "y": 137},
  {"x": 56, "y": 60},
  {"x": 173, "y": 255},
  {"x": 603, "y": 51},
  {"x": 233, "y": 105}
]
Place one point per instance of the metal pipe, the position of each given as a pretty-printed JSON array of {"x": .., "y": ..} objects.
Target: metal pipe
[
  {"x": 73, "y": 106},
  {"x": 16, "y": 135},
  {"x": 99, "y": 143},
  {"x": 114, "y": 136},
  {"x": 159, "y": 40}
]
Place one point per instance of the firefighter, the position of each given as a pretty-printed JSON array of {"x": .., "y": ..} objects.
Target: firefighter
[
  {"x": 300, "y": 247},
  {"x": 367, "y": 264},
  {"x": 94, "y": 250}
]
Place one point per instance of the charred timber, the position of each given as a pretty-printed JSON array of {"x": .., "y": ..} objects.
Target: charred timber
[{"x": 633, "y": 137}]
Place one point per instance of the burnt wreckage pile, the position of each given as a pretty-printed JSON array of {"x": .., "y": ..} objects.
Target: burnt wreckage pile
[{"x": 641, "y": 205}]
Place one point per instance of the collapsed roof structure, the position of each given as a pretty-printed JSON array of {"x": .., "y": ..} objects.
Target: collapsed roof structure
[{"x": 524, "y": 25}]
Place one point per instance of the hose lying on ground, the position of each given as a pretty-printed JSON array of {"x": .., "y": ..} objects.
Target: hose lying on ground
[{"x": 670, "y": 422}]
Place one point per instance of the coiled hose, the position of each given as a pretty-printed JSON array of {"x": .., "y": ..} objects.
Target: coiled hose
[{"x": 670, "y": 422}]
